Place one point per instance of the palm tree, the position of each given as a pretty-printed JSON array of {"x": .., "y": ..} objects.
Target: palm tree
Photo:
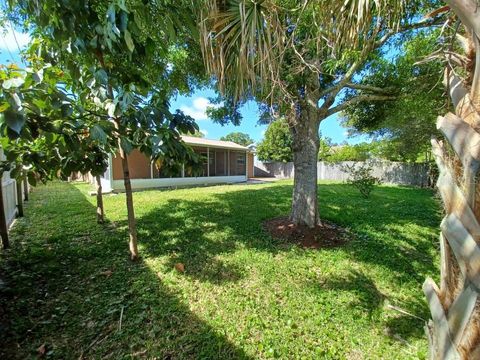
[
  {"x": 454, "y": 329},
  {"x": 297, "y": 59}
]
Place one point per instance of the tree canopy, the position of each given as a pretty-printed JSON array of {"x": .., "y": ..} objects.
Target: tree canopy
[
  {"x": 406, "y": 123},
  {"x": 238, "y": 138}
]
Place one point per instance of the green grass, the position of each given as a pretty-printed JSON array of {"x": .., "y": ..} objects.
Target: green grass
[{"x": 242, "y": 295}]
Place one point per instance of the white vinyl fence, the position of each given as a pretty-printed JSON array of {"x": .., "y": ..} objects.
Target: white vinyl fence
[
  {"x": 9, "y": 189},
  {"x": 388, "y": 171}
]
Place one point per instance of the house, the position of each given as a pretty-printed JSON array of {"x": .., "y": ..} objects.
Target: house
[{"x": 224, "y": 162}]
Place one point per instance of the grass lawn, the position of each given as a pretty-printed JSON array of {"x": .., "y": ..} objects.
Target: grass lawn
[{"x": 242, "y": 295}]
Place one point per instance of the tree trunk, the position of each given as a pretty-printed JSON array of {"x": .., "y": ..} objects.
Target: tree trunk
[
  {"x": 454, "y": 331},
  {"x": 305, "y": 154},
  {"x": 25, "y": 188},
  {"x": 18, "y": 187},
  {"x": 100, "y": 211},
  {"x": 132, "y": 227},
  {"x": 3, "y": 219}
]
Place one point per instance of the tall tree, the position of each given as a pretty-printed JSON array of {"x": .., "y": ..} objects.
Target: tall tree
[
  {"x": 454, "y": 329},
  {"x": 128, "y": 59},
  {"x": 238, "y": 138},
  {"x": 297, "y": 59},
  {"x": 277, "y": 143},
  {"x": 407, "y": 123}
]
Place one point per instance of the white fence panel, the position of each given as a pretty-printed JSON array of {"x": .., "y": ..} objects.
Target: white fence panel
[{"x": 389, "y": 172}]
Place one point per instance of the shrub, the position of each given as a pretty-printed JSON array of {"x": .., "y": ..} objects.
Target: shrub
[{"x": 361, "y": 177}]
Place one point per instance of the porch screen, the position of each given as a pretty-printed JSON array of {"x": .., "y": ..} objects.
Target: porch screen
[
  {"x": 238, "y": 163},
  {"x": 218, "y": 162}
]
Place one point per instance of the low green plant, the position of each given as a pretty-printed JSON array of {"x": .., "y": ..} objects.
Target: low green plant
[{"x": 361, "y": 177}]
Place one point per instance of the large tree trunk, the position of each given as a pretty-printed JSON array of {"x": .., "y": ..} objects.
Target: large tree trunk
[
  {"x": 454, "y": 331},
  {"x": 100, "y": 211},
  {"x": 305, "y": 154}
]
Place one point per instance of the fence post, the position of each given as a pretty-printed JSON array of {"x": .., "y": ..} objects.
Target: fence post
[
  {"x": 18, "y": 186},
  {"x": 3, "y": 219}
]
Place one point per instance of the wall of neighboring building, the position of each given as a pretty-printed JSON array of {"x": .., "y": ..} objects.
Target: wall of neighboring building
[
  {"x": 138, "y": 164},
  {"x": 250, "y": 161},
  {"x": 225, "y": 166}
]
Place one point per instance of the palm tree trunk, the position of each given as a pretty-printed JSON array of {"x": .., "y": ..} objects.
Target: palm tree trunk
[
  {"x": 454, "y": 330},
  {"x": 100, "y": 211},
  {"x": 305, "y": 156}
]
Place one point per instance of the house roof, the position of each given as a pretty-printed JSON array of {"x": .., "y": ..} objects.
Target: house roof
[{"x": 191, "y": 140}]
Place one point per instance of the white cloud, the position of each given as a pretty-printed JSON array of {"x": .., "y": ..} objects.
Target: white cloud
[
  {"x": 204, "y": 132},
  {"x": 10, "y": 38},
  {"x": 198, "y": 108},
  {"x": 345, "y": 133}
]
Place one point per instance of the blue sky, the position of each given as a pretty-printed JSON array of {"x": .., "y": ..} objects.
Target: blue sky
[{"x": 194, "y": 105}]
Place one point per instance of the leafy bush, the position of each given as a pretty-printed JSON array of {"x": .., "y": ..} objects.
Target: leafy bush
[{"x": 361, "y": 177}]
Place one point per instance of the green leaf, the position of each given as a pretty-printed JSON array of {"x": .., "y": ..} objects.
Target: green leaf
[
  {"x": 126, "y": 145},
  {"x": 123, "y": 21},
  {"x": 32, "y": 180},
  {"x": 38, "y": 76},
  {"x": 101, "y": 76},
  {"x": 97, "y": 133},
  {"x": 4, "y": 106},
  {"x": 14, "y": 120},
  {"x": 111, "y": 13},
  {"x": 129, "y": 41}
]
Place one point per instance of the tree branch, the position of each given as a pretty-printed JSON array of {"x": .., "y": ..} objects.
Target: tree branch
[
  {"x": 333, "y": 91},
  {"x": 358, "y": 99},
  {"x": 369, "y": 88}
]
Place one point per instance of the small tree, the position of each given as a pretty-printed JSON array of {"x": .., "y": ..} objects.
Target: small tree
[
  {"x": 125, "y": 59},
  {"x": 360, "y": 176},
  {"x": 238, "y": 138}
]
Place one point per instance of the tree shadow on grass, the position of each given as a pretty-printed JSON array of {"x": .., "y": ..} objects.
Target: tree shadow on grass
[
  {"x": 394, "y": 229},
  {"x": 72, "y": 291},
  {"x": 366, "y": 298},
  {"x": 197, "y": 232}
]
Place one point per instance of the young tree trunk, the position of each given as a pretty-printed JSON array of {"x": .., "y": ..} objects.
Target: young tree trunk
[
  {"x": 19, "y": 198},
  {"x": 132, "y": 227},
  {"x": 25, "y": 188},
  {"x": 305, "y": 154},
  {"x": 3, "y": 219},
  {"x": 454, "y": 331},
  {"x": 100, "y": 211}
]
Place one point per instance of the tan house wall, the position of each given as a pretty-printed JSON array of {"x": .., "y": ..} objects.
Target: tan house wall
[
  {"x": 250, "y": 165},
  {"x": 138, "y": 164}
]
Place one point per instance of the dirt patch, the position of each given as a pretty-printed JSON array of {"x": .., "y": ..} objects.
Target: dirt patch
[{"x": 327, "y": 235}]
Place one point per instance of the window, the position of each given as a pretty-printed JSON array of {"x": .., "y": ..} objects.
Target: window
[
  {"x": 238, "y": 163},
  {"x": 218, "y": 162}
]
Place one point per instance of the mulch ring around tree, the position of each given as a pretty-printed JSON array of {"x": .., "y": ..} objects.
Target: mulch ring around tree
[{"x": 326, "y": 235}]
